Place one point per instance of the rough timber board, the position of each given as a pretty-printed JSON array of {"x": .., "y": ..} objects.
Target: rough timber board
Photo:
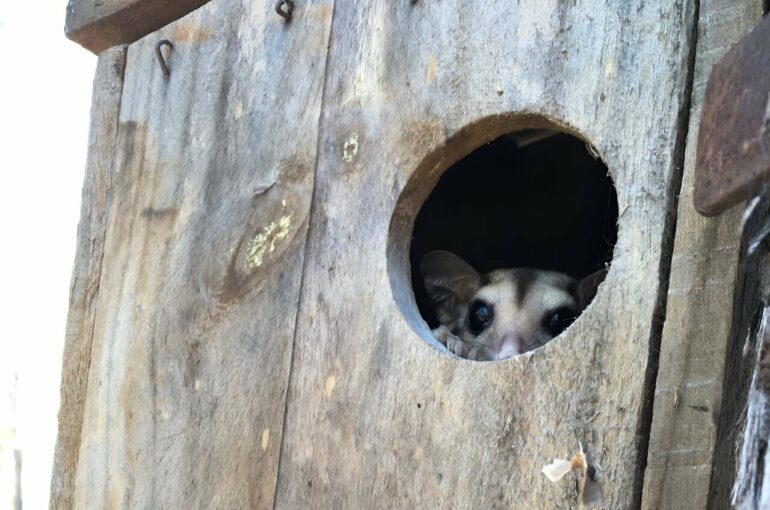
[
  {"x": 195, "y": 315},
  {"x": 699, "y": 305},
  {"x": 84, "y": 289},
  {"x": 377, "y": 417},
  {"x": 100, "y": 24}
]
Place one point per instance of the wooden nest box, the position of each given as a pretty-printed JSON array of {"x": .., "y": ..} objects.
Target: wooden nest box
[{"x": 243, "y": 330}]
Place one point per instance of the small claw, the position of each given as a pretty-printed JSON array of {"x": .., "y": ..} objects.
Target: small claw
[{"x": 443, "y": 335}]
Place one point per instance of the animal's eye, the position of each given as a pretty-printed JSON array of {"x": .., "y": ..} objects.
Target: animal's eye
[
  {"x": 559, "y": 320},
  {"x": 480, "y": 316}
]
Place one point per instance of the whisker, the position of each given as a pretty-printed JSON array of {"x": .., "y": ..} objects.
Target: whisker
[
  {"x": 479, "y": 346},
  {"x": 471, "y": 343}
]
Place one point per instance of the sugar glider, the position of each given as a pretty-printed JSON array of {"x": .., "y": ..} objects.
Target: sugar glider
[{"x": 502, "y": 313}]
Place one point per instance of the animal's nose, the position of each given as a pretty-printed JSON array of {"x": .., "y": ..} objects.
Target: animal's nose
[{"x": 510, "y": 345}]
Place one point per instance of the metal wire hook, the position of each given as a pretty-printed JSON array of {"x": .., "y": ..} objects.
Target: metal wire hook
[
  {"x": 289, "y": 9},
  {"x": 161, "y": 60}
]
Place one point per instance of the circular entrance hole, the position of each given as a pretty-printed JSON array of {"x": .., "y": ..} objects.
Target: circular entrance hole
[{"x": 509, "y": 246}]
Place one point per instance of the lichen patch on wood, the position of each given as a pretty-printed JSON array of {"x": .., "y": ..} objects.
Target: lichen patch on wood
[
  {"x": 350, "y": 148},
  {"x": 264, "y": 243}
]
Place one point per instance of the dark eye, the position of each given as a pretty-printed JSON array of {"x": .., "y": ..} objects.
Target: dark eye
[
  {"x": 480, "y": 316},
  {"x": 560, "y": 320}
]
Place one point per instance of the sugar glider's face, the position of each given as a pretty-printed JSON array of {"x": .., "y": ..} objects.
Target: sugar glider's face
[{"x": 505, "y": 312}]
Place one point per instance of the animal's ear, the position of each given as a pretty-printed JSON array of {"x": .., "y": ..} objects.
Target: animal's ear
[
  {"x": 451, "y": 283},
  {"x": 587, "y": 287}
]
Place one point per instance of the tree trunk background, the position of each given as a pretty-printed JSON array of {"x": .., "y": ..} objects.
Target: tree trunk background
[{"x": 243, "y": 331}]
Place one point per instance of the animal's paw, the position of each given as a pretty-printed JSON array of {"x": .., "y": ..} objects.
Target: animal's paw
[{"x": 452, "y": 342}]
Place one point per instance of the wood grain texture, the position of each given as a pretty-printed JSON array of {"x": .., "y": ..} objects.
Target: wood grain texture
[
  {"x": 748, "y": 486},
  {"x": 101, "y": 24},
  {"x": 699, "y": 303},
  {"x": 744, "y": 371},
  {"x": 199, "y": 284},
  {"x": 87, "y": 270},
  {"x": 377, "y": 416}
]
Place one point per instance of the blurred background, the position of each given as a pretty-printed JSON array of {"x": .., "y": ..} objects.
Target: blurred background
[{"x": 45, "y": 92}]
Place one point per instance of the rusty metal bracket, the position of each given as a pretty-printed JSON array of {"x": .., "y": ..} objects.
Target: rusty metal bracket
[{"x": 733, "y": 155}]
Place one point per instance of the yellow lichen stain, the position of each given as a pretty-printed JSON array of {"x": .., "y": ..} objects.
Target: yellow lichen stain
[
  {"x": 325, "y": 11},
  {"x": 609, "y": 68},
  {"x": 189, "y": 32},
  {"x": 264, "y": 243},
  {"x": 419, "y": 454},
  {"x": 265, "y": 439},
  {"x": 350, "y": 149},
  {"x": 238, "y": 113},
  {"x": 430, "y": 72},
  {"x": 331, "y": 382}
]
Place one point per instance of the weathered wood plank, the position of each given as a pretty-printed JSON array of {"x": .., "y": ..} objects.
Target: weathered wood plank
[
  {"x": 748, "y": 486},
  {"x": 84, "y": 291},
  {"x": 100, "y": 24},
  {"x": 194, "y": 320},
  {"x": 744, "y": 373},
  {"x": 376, "y": 416},
  {"x": 699, "y": 304}
]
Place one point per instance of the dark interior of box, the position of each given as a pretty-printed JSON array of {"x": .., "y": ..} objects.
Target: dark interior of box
[{"x": 548, "y": 204}]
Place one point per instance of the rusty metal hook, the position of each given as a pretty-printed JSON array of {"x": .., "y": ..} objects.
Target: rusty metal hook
[
  {"x": 159, "y": 54},
  {"x": 289, "y": 9}
]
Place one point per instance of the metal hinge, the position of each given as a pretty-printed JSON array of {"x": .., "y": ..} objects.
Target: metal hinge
[{"x": 733, "y": 155}]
